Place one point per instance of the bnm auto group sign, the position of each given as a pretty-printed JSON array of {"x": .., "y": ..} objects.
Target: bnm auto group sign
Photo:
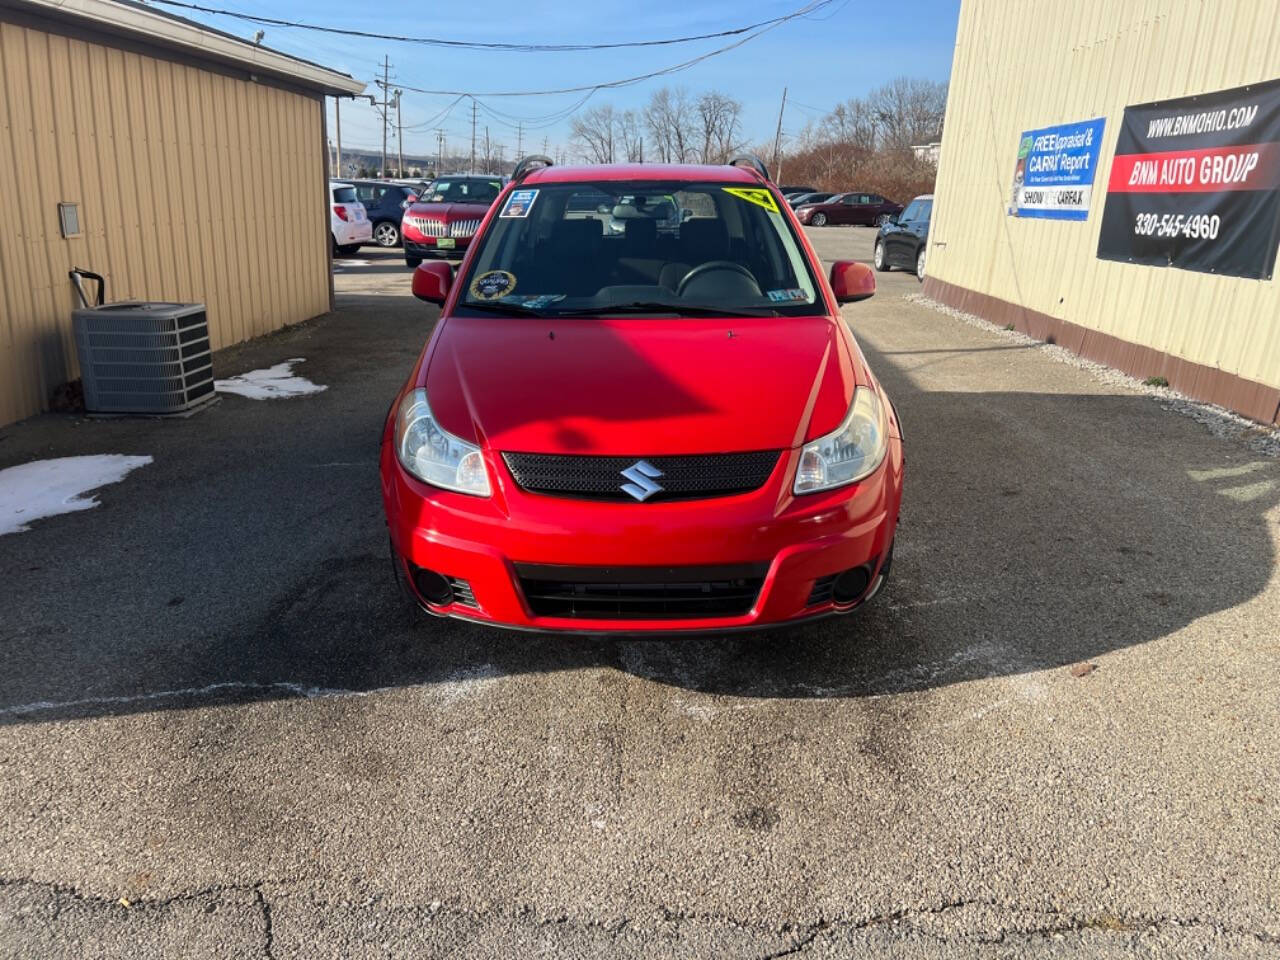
[{"x": 1196, "y": 184}]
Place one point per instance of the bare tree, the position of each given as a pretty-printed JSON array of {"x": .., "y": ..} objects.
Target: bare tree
[
  {"x": 720, "y": 121},
  {"x": 630, "y": 132},
  {"x": 672, "y": 125},
  {"x": 593, "y": 133},
  {"x": 908, "y": 110},
  {"x": 852, "y": 122}
]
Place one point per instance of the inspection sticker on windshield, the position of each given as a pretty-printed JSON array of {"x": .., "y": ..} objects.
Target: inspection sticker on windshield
[
  {"x": 756, "y": 195},
  {"x": 785, "y": 296},
  {"x": 519, "y": 203},
  {"x": 493, "y": 285}
]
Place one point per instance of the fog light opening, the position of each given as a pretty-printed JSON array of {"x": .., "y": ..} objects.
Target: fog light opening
[
  {"x": 851, "y": 585},
  {"x": 432, "y": 587}
]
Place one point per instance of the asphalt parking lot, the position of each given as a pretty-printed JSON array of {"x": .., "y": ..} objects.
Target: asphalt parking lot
[{"x": 1055, "y": 733}]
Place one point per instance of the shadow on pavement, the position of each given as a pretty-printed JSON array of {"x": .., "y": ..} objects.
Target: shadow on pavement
[{"x": 249, "y": 561}]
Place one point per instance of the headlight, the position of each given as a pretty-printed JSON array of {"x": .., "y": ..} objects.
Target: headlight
[
  {"x": 434, "y": 456},
  {"x": 851, "y": 452}
]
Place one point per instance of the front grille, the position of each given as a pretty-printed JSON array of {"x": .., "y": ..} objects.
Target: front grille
[
  {"x": 438, "y": 228},
  {"x": 640, "y": 593},
  {"x": 680, "y": 477},
  {"x": 429, "y": 228}
]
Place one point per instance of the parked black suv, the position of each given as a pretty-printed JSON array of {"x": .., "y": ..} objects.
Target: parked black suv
[
  {"x": 902, "y": 241},
  {"x": 385, "y": 204}
]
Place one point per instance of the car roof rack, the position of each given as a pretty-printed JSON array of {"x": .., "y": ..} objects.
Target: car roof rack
[
  {"x": 530, "y": 163},
  {"x": 752, "y": 161}
]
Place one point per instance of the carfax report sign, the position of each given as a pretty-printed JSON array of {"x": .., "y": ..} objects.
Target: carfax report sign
[
  {"x": 1053, "y": 178},
  {"x": 1195, "y": 184}
]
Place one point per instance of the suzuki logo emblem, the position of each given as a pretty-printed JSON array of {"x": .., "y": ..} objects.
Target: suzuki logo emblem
[{"x": 641, "y": 474}]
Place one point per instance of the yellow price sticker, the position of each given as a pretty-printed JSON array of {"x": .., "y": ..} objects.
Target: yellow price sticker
[{"x": 757, "y": 195}]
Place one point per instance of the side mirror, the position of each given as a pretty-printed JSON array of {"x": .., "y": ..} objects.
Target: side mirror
[
  {"x": 851, "y": 281},
  {"x": 432, "y": 281}
]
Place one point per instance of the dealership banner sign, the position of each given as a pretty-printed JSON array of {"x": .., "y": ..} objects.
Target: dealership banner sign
[
  {"x": 1195, "y": 184},
  {"x": 1053, "y": 178}
]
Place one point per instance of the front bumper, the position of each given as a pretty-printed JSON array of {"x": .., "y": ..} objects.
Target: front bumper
[
  {"x": 427, "y": 247},
  {"x": 796, "y": 542}
]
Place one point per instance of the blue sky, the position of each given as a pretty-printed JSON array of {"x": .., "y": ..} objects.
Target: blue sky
[{"x": 854, "y": 47}]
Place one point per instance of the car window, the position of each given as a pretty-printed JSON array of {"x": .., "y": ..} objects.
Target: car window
[
  {"x": 683, "y": 245},
  {"x": 926, "y": 210},
  {"x": 911, "y": 213},
  {"x": 366, "y": 192},
  {"x": 464, "y": 191},
  {"x": 344, "y": 194}
]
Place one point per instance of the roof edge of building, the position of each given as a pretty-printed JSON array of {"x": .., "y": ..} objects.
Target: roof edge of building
[{"x": 193, "y": 39}]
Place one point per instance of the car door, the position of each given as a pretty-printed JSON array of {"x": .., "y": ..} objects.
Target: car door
[
  {"x": 914, "y": 232},
  {"x": 898, "y": 245},
  {"x": 848, "y": 208}
]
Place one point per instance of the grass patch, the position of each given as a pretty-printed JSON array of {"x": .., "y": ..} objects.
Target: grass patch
[
  {"x": 1008, "y": 326},
  {"x": 1155, "y": 382}
]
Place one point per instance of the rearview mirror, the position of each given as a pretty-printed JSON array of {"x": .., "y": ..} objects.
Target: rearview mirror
[
  {"x": 852, "y": 281},
  {"x": 432, "y": 281}
]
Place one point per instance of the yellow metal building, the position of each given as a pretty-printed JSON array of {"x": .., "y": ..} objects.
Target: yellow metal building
[
  {"x": 197, "y": 163},
  {"x": 1026, "y": 64}
]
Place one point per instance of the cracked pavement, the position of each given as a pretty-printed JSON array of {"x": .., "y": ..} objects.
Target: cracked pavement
[{"x": 222, "y": 736}]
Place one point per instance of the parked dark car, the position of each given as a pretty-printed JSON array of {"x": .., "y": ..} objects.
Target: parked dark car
[
  {"x": 789, "y": 191},
  {"x": 902, "y": 242},
  {"x": 803, "y": 198},
  {"x": 868, "y": 209},
  {"x": 385, "y": 204}
]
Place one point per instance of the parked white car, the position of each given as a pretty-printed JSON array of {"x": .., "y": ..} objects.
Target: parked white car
[{"x": 348, "y": 220}]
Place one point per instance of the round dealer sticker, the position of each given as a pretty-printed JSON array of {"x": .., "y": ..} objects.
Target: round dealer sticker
[{"x": 493, "y": 285}]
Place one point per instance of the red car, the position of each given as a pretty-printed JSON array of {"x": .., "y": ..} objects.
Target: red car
[
  {"x": 648, "y": 432},
  {"x": 867, "y": 209},
  {"x": 443, "y": 221}
]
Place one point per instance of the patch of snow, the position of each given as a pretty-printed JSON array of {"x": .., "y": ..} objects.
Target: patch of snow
[
  {"x": 46, "y": 488},
  {"x": 273, "y": 383},
  {"x": 1218, "y": 420}
]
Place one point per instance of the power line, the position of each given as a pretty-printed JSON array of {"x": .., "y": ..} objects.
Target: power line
[
  {"x": 627, "y": 81},
  {"x": 489, "y": 45}
]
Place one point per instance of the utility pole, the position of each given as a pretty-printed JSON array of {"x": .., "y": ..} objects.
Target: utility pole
[
  {"x": 777, "y": 138},
  {"x": 386, "y": 89},
  {"x": 487, "y": 154},
  {"x": 473, "y": 134},
  {"x": 519, "y": 141},
  {"x": 439, "y": 152},
  {"x": 399, "y": 135},
  {"x": 546, "y": 143}
]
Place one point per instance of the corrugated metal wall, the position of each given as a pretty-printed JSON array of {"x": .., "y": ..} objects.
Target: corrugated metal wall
[
  {"x": 192, "y": 185},
  {"x": 1024, "y": 64}
]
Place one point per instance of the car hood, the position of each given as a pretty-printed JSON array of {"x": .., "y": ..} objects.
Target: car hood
[
  {"x": 449, "y": 211},
  {"x": 639, "y": 386}
]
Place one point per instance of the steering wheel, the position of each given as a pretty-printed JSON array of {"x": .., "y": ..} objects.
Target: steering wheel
[{"x": 711, "y": 266}]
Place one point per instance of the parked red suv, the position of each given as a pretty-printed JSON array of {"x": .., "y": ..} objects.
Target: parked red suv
[
  {"x": 649, "y": 431},
  {"x": 443, "y": 221},
  {"x": 868, "y": 209}
]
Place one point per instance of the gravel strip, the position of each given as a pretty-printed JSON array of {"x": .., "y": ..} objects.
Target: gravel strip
[{"x": 1220, "y": 421}]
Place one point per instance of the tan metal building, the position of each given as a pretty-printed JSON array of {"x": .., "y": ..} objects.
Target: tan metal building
[
  {"x": 1026, "y": 64},
  {"x": 197, "y": 164}
]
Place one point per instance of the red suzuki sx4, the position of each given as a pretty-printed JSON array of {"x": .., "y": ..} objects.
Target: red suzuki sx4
[{"x": 641, "y": 412}]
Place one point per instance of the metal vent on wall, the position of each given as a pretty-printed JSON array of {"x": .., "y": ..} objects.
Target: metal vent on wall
[{"x": 150, "y": 358}]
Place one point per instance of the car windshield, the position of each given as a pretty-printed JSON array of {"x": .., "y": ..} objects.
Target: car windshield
[
  {"x": 464, "y": 191},
  {"x": 694, "y": 248}
]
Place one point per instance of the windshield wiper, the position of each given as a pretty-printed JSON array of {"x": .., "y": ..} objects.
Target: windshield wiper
[
  {"x": 498, "y": 306},
  {"x": 656, "y": 306}
]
